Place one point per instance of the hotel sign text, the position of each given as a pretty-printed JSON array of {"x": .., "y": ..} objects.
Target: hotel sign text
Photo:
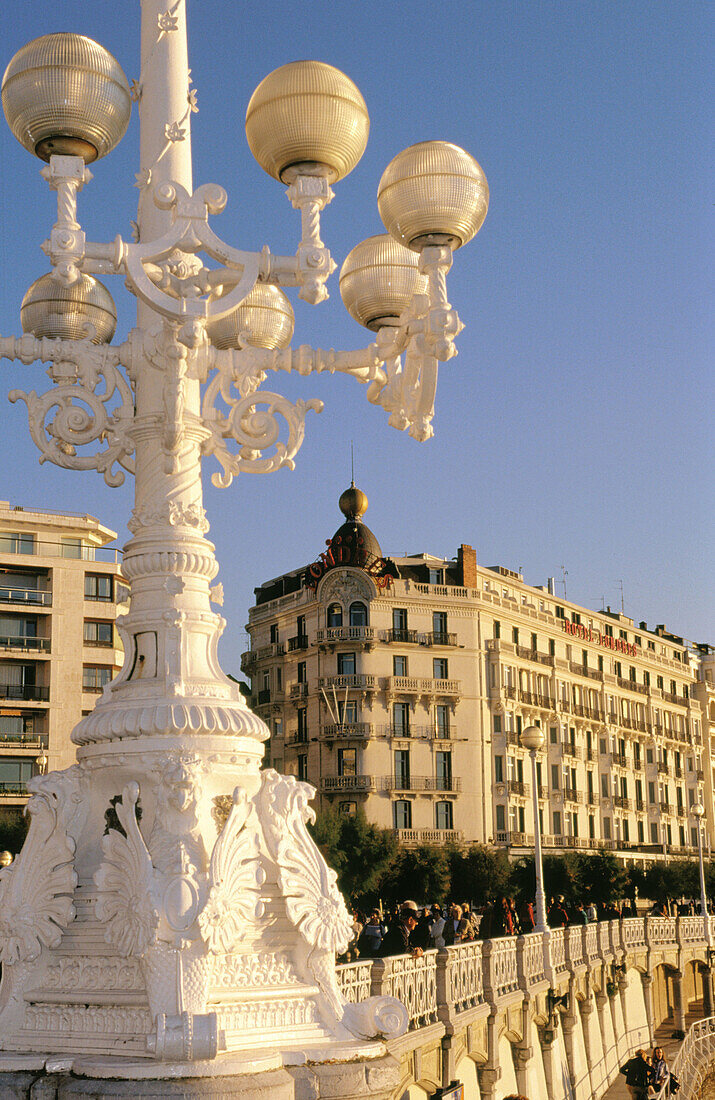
[{"x": 589, "y": 635}]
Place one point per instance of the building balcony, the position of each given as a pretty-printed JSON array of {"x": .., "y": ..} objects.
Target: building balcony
[
  {"x": 584, "y": 670},
  {"x": 534, "y": 699},
  {"x": 299, "y": 691},
  {"x": 27, "y": 693},
  {"x": 24, "y": 643},
  {"x": 264, "y": 653},
  {"x": 534, "y": 655},
  {"x": 665, "y": 808},
  {"x": 440, "y": 638},
  {"x": 420, "y": 685},
  {"x": 353, "y": 731},
  {"x": 592, "y": 799},
  {"x": 620, "y": 759},
  {"x": 13, "y": 790},
  {"x": 410, "y": 838},
  {"x": 333, "y": 635},
  {"x": 296, "y": 738},
  {"x": 333, "y": 783},
  {"x": 517, "y": 786},
  {"x": 572, "y": 795},
  {"x": 358, "y": 680},
  {"x": 640, "y": 805},
  {"x": 20, "y": 742},
  {"x": 663, "y": 768},
  {"x": 631, "y": 685},
  {"x": 514, "y": 839},
  {"x": 621, "y": 801},
  {"x": 298, "y": 641},
  {"x": 592, "y": 754},
  {"x": 678, "y": 771},
  {"x": 679, "y": 700},
  {"x": 568, "y": 749},
  {"x": 263, "y": 697},
  {"x": 699, "y": 774},
  {"x": 402, "y": 636},
  {"x": 415, "y": 732},
  {"x": 543, "y": 791},
  {"x": 451, "y": 784},
  {"x": 582, "y": 711},
  {"x": 35, "y": 597}
]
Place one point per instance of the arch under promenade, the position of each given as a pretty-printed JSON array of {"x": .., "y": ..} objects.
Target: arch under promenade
[{"x": 548, "y": 1015}]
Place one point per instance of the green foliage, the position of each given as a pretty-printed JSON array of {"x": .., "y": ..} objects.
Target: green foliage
[
  {"x": 13, "y": 828},
  {"x": 601, "y": 877},
  {"x": 419, "y": 873},
  {"x": 478, "y": 873},
  {"x": 672, "y": 879},
  {"x": 361, "y": 853}
]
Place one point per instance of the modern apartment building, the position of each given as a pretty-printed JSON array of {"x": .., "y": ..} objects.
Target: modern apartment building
[
  {"x": 402, "y": 684},
  {"x": 60, "y": 589}
]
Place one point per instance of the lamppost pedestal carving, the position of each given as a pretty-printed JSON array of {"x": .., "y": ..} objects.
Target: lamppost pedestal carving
[{"x": 170, "y": 914}]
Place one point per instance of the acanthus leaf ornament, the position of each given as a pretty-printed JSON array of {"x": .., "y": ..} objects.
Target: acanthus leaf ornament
[
  {"x": 36, "y": 889},
  {"x": 235, "y": 880}
]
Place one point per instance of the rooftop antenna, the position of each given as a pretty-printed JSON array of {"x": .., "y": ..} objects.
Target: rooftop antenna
[
  {"x": 565, "y": 574},
  {"x": 623, "y": 610},
  {"x": 352, "y": 463}
]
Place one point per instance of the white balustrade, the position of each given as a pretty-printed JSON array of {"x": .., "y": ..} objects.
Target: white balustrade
[{"x": 465, "y": 975}]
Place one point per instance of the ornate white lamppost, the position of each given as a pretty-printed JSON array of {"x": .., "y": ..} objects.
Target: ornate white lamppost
[
  {"x": 532, "y": 738},
  {"x": 169, "y": 903},
  {"x": 698, "y": 812}
]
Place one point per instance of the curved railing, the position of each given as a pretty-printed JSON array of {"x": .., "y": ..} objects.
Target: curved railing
[{"x": 694, "y": 1060}]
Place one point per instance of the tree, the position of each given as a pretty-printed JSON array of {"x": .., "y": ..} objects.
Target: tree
[
  {"x": 478, "y": 873},
  {"x": 13, "y": 828},
  {"x": 672, "y": 879},
  {"x": 421, "y": 874},
  {"x": 360, "y": 852},
  {"x": 601, "y": 877},
  {"x": 560, "y": 877}
]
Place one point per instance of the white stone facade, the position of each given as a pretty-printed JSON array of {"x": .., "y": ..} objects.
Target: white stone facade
[
  {"x": 60, "y": 591},
  {"x": 406, "y": 695}
]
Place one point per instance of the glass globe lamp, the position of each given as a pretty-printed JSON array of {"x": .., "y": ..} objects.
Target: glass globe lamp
[
  {"x": 65, "y": 312},
  {"x": 698, "y": 809},
  {"x": 532, "y": 737},
  {"x": 307, "y": 117},
  {"x": 66, "y": 94},
  {"x": 433, "y": 193},
  {"x": 377, "y": 281},
  {"x": 264, "y": 319}
]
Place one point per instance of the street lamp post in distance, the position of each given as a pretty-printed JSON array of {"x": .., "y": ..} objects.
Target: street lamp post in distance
[{"x": 532, "y": 739}]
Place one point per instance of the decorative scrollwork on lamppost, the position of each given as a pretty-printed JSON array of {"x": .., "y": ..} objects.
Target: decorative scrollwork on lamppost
[{"x": 171, "y": 740}]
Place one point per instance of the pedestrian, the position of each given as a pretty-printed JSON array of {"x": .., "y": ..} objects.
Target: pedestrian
[
  {"x": 660, "y": 1070},
  {"x": 436, "y": 928},
  {"x": 638, "y": 1074},
  {"x": 558, "y": 917},
  {"x": 372, "y": 934},
  {"x": 398, "y": 938},
  {"x": 456, "y": 928},
  {"x": 526, "y": 917},
  {"x": 592, "y": 912},
  {"x": 580, "y": 916}
]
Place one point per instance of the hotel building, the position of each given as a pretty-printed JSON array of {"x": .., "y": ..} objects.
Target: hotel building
[
  {"x": 401, "y": 684},
  {"x": 60, "y": 590}
]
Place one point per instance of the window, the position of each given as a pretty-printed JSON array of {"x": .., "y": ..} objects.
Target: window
[
  {"x": 436, "y": 576},
  {"x": 556, "y": 815},
  {"x": 646, "y": 678},
  {"x": 441, "y": 720},
  {"x": 617, "y": 668},
  {"x": 347, "y": 712},
  {"x": 553, "y": 735},
  {"x": 401, "y": 719},
  {"x": 659, "y": 682},
  {"x": 575, "y": 617},
  {"x": 358, "y": 613},
  {"x": 497, "y": 629},
  {"x": 555, "y": 778},
  {"x": 440, "y": 668},
  {"x": 608, "y": 630},
  {"x": 651, "y": 793},
  {"x": 654, "y": 832},
  {"x": 274, "y": 633},
  {"x": 552, "y": 647},
  {"x": 632, "y": 674},
  {"x": 399, "y": 624},
  {"x": 303, "y": 766},
  {"x": 335, "y": 615},
  {"x": 402, "y": 812},
  {"x": 347, "y": 762},
  {"x": 443, "y": 815},
  {"x": 637, "y": 639},
  {"x": 607, "y": 828},
  {"x": 71, "y": 548},
  {"x": 95, "y": 677},
  {"x": 347, "y": 808},
  {"x": 15, "y": 726},
  {"x": 560, "y": 613},
  {"x": 649, "y": 756},
  {"x": 97, "y": 632},
  {"x": 402, "y": 769},
  {"x": 439, "y": 627},
  {"x": 302, "y": 672},
  {"x": 498, "y": 769},
  {"x": 346, "y": 664},
  {"x": 443, "y": 771},
  {"x": 501, "y": 818},
  {"x": 497, "y": 723},
  {"x": 605, "y": 789},
  {"x": 534, "y": 643},
  {"x": 302, "y": 716},
  {"x": 515, "y": 635},
  {"x": 12, "y": 543},
  {"x": 98, "y": 586},
  {"x": 591, "y": 827},
  {"x": 14, "y": 774},
  {"x": 399, "y": 665},
  {"x": 300, "y": 626},
  {"x": 600, "y": 664}
]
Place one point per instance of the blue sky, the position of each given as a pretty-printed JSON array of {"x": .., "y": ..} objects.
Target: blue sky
[{"x": 574, "y": 429}]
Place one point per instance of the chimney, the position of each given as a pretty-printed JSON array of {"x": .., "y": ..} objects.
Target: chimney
[
  {"x": 467, "y": 565},
  {"x": 552, "y": 586}
]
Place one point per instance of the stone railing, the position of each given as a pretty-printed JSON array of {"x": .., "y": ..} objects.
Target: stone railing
[{"x": 448, "y": 981}]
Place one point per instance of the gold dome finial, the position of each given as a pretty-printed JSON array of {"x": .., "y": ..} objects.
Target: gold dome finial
[{"x": 353, "y": 502}]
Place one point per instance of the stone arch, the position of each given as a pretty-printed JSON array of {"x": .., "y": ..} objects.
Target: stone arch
[
  {"x": 664, "y": 999},
  {"x": 693, "y": 981},
  {"x": 345, "y": 586},
  {"x": 467, "y": 1071}
]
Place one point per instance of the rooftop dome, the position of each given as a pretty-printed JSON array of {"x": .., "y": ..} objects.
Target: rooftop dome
[{"x": 359, "y": 545}]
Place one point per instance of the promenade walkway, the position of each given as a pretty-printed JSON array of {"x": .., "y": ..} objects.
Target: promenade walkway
[{"x": 619, "y": 1090}]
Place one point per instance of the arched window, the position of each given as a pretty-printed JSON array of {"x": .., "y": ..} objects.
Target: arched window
[
  {"x": 335, "y": 615},
  {"x": 358, "y": 613}
]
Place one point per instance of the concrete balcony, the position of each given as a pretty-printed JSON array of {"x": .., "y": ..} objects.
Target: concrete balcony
[
  {"x": 35, "y": 597},
  {"x": 298, "y": 691},
  {"x": 433, "y": 783},
  {"x": 357, "y": 635},
  {"x": 334, "y": 783},
  {"x": 357, "y": 680},
  {"x": 517, "y": 786},
  {"x": 24, "y": 643},
  {"x": 440, "y": 638},
  {"x": 411, "y": 838},
  {"x": 353, "y": 731},
  {"x": 26, "y": 693}
]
